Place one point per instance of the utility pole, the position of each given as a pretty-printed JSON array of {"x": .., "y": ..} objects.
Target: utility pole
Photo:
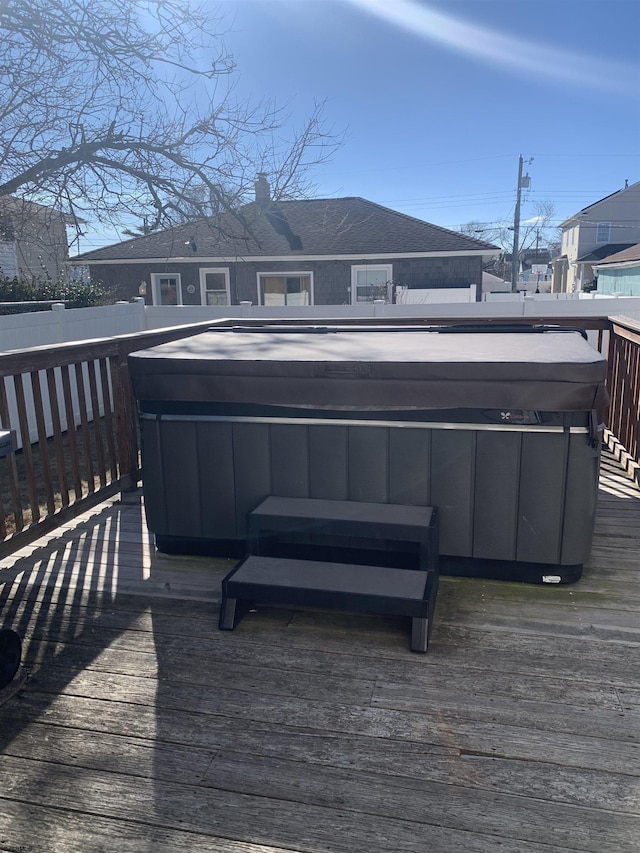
[
  {"x": 516, "y": 232},
  {"x": 522, "y": 182}
]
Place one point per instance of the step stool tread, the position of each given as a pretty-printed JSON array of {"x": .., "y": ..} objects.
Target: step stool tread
[
  {"x": 287, "y": 511},
  {"x": 344, "y": 578}
]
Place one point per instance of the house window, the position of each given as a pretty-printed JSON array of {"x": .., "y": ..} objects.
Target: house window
[
  {"x": 369, "y": 282},
  {"x": 603, "y": 232},
  {"x": 295, "y": 288},
  {"x": 214, "y": 286},
  {"x": 166, "y": 289}
]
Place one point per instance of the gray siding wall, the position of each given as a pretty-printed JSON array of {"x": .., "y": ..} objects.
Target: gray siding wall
[{"x": 331, "y": 279}]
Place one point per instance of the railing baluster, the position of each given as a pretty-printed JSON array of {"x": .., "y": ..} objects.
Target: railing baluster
[
  {"x": 625, "y": 402},
  {"x": 3, "y": 519},
  {"x": 108, "y": 417},
  {"x": 71, "y": 432},
  {"x": 92, "y": 368},
  {"x": 57, "y": 436},
  {"x": 27, "y": 454},
  {"x": 14, "y": 487},
  {"x": 43, "y": 444},
  {"x": 634, "y": 402},
  {"x": 84, "y": 422}
]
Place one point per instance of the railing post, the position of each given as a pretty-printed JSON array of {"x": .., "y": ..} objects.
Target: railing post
[
  {"x": 125, "y": 421},
  {"x": 58, "y": 308},
  {"x": 140, "y": 306}
]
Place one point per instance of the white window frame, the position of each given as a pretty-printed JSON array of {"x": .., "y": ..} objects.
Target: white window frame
[
  {"x": 600, "y": 225},
  {"x": 356, "y": 268},
  {"x": 155, "y": 286},
  {"x": 284, "y": 274},
  {"x": 203, "y": 283}
]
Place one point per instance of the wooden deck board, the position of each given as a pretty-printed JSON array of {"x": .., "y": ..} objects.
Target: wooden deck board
[{"x": 307, "y": 732}]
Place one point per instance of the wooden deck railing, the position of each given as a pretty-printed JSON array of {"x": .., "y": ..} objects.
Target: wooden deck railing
[
  {"x": 624, "y": 389},
  {"x": 77, "y": 423}
]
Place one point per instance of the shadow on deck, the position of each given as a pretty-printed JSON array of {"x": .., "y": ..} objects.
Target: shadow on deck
[{"x": 142, "y": 727}]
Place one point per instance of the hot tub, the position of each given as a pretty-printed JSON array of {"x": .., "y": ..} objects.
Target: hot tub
[{"x": 498, "y": 429}]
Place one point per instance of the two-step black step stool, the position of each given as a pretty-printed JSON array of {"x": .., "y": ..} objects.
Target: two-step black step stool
[{"x": 338, "y": 585}]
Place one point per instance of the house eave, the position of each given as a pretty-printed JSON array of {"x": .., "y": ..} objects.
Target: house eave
[
  {"x": 620, "y": 265},
  {"x": 230, "y": 259}
]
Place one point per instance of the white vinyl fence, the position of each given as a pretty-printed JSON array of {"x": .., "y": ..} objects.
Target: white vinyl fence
[
  {"x": 420, "y": 296},
  {"x": 60, "y": 325}
]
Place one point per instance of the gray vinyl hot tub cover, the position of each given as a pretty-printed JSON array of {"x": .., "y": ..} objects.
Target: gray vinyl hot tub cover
[{"x": 343, "y": 369}]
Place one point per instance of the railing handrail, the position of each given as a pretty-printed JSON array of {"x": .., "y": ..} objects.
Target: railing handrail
[
  {"x": 48, "y": 355},
  {"x": 580, "y": 321},
  {"x": 626, "y": 323}
]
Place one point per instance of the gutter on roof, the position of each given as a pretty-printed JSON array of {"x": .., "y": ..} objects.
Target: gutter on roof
[
  {"x": 619, "y": 265},
  {"x": 362, "y": 257}
]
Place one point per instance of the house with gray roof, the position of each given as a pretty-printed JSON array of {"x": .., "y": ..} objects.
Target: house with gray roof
[
  {"x": 603, "y": 228},
  {"x": 307, "y": 252}
]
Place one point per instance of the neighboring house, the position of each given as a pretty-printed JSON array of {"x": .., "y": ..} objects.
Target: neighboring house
[
  {"x": 620, "y": 273},
  {"x": 599, "y": 230},
  {"x": 310, "y": 252},
  {"x": 33, "y": 239}
]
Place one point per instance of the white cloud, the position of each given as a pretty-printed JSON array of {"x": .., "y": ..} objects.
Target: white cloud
[{"x": 534, "y": 59}]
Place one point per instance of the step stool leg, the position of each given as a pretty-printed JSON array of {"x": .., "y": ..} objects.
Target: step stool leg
[
  {"x": 419, "y": 634},
  {"x": 228, "y": 614}
]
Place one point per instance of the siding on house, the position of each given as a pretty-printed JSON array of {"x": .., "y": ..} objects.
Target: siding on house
[
  {"x": 38, "y": 235},
  {"x": 8, "y": 258},
  {"x": 331, "y": 278},
  {"x": 626, "y": 282},
  {"x": 620, "y": 273}
]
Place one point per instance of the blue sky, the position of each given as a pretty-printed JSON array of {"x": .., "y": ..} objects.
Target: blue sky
[{"x": 440, "y": 98}]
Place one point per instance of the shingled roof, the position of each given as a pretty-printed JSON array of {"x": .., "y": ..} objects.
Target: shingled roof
[
  {"x": 628, "y": 255},
  {"x": 312, "y": 227},
  {"x": 603, "y": 252}
]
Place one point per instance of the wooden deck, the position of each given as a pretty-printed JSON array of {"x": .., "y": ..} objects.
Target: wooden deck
[{"x": 141, "y": 727}]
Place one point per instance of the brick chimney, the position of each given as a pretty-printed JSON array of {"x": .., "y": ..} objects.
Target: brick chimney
[{"x": 263, "y": 190}]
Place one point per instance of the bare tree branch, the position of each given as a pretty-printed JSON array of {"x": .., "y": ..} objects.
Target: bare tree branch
[
  {"x": 537, "y": 228},
  {"x": 113, "y": 109}
]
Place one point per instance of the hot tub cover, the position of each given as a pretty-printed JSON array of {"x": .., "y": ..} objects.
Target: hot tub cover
[{"x": 371, "y": 368}]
